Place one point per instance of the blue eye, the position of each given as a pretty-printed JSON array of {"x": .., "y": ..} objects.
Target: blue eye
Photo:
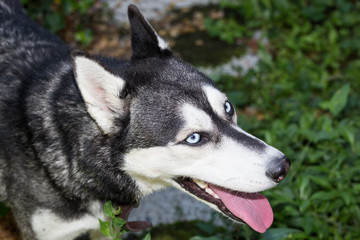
[
  {"x": 194, "y": 138},
  {"x": 229, "y": 109}
]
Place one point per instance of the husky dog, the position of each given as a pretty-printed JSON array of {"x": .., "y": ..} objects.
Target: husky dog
[{"x": 77, "y": 130}]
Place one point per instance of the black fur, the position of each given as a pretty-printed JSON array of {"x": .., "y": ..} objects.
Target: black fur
[{"x": 143, "y": 37}]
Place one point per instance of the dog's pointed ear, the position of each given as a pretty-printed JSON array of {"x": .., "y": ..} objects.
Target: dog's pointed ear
[
  {"x": 101, "y": 90},
  {"x": 145, "y": 41}
]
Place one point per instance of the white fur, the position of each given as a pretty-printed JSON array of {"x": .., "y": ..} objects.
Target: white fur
[
  {"x": 162, "y": 44},
  {"x": 47, "y": 225},
  {"x": 217, "y": 100},
  {"x": 197, "y": 120},
  {"x": 100, "y": 90},
  {"x": 227, "y": 164}
]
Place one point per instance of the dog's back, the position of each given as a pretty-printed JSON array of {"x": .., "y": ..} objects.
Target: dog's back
[
  {"x": 25, "y": 50},
  {"x": 23, "y": 41},
  {"x": 33, "y": 63},
  {"x": 9, "y": 56}
]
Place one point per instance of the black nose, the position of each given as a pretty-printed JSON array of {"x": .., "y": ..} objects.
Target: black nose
[{"x": 278, "y": 170}]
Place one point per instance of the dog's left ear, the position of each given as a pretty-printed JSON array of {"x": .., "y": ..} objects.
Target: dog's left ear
[
  {"x": 101, "y": 90},
  {"x": 145, "y": 42}
]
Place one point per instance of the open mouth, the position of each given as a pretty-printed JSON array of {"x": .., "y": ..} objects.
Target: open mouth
[{"x": 252, "y": 208}]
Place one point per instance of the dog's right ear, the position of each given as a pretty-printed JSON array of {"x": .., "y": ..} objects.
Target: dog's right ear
[
  {"x": 145, "y": 41},
  {"x": 101, "y": 90}
]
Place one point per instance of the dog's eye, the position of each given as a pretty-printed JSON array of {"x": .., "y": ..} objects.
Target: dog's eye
[
  {"x": 193, "y": 138},
  {"x": 229, "y": 109}
]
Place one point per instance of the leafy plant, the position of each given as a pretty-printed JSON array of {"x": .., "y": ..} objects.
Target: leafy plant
[
  {"x": 115, "y": 227},
  {"x": 303, "y": 98},
  {"x": 60, "y": 16}
]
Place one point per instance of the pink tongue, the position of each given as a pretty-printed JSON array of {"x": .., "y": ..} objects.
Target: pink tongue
[{"x": 252, "y": 208}]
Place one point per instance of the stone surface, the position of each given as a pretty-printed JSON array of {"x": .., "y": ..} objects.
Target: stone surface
[{"x": 172, "y": 205}]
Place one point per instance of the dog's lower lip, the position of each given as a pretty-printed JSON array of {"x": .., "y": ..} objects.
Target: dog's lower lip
[{"x": 189, "y": 185}]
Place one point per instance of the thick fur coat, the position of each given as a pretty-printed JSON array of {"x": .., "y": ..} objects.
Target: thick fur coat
[{"x": 77, "y": 130}]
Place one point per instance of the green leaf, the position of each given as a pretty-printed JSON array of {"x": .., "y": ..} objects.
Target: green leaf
[
  {"x": 55, "y": 21},
  {"x": 321, "y": 180},
  {"x": 117, "y": 211},
  {"x": 119, "y": 222},
  {"x": 109, "y": 209},
  {"x": 84, "y": 36},
  {"x": 265, "y": 57},
  {"x": 207, "y": 238},
  {"x": 304, "y": 204},
  {"x": 278, "y": 233},
  {"x": 113, "y": 232},
  {"x": 207, "y": 228},
  {"x": 324, "y": 196},
  {"x": 338, "y": 100},
  {"x": 105, "y": 228},
  {"x": 348, "y": 132},
  {"x": 356, "y": 187},
  {"x": 147, "y": 237},
  {"x": 304, "y": 187},
  {"x": 307, "y": 223},
  {"x": 333, "y": 36},
  {"x": 347, "y": 197}
]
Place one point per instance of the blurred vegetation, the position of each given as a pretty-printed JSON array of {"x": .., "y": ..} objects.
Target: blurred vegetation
[
  {"x": 60, "y": 16},
  {"x": 304, "y": 98}
]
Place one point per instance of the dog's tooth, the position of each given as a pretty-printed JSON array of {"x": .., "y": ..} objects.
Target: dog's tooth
[
  {"x": 211, "y": 192},
  {"x": 200, "y": 183}
]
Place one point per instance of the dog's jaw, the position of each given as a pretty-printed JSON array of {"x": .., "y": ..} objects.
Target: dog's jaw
[{"x": 251, "y": 208}]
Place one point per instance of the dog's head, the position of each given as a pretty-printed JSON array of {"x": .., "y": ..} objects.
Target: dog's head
[{"x": 178, "y": 129}]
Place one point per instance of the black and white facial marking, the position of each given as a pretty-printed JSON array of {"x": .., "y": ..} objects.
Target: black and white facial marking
[
  {"x": 209, "y": 146},
  {"x": 213, "y": 159},
  {"x": 181, "y": 129}
]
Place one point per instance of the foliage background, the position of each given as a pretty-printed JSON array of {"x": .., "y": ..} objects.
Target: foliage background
[
  {"x": 304, "y": 99},
  {"x": 305, "y": 94},
  {"x": 71, "y": 19}
]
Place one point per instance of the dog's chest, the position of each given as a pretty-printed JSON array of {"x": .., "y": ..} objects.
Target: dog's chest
[{"x": 46, "y": 224}]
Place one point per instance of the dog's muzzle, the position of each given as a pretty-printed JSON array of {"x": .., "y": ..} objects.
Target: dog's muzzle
[{"x": 278, "y": 169}]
